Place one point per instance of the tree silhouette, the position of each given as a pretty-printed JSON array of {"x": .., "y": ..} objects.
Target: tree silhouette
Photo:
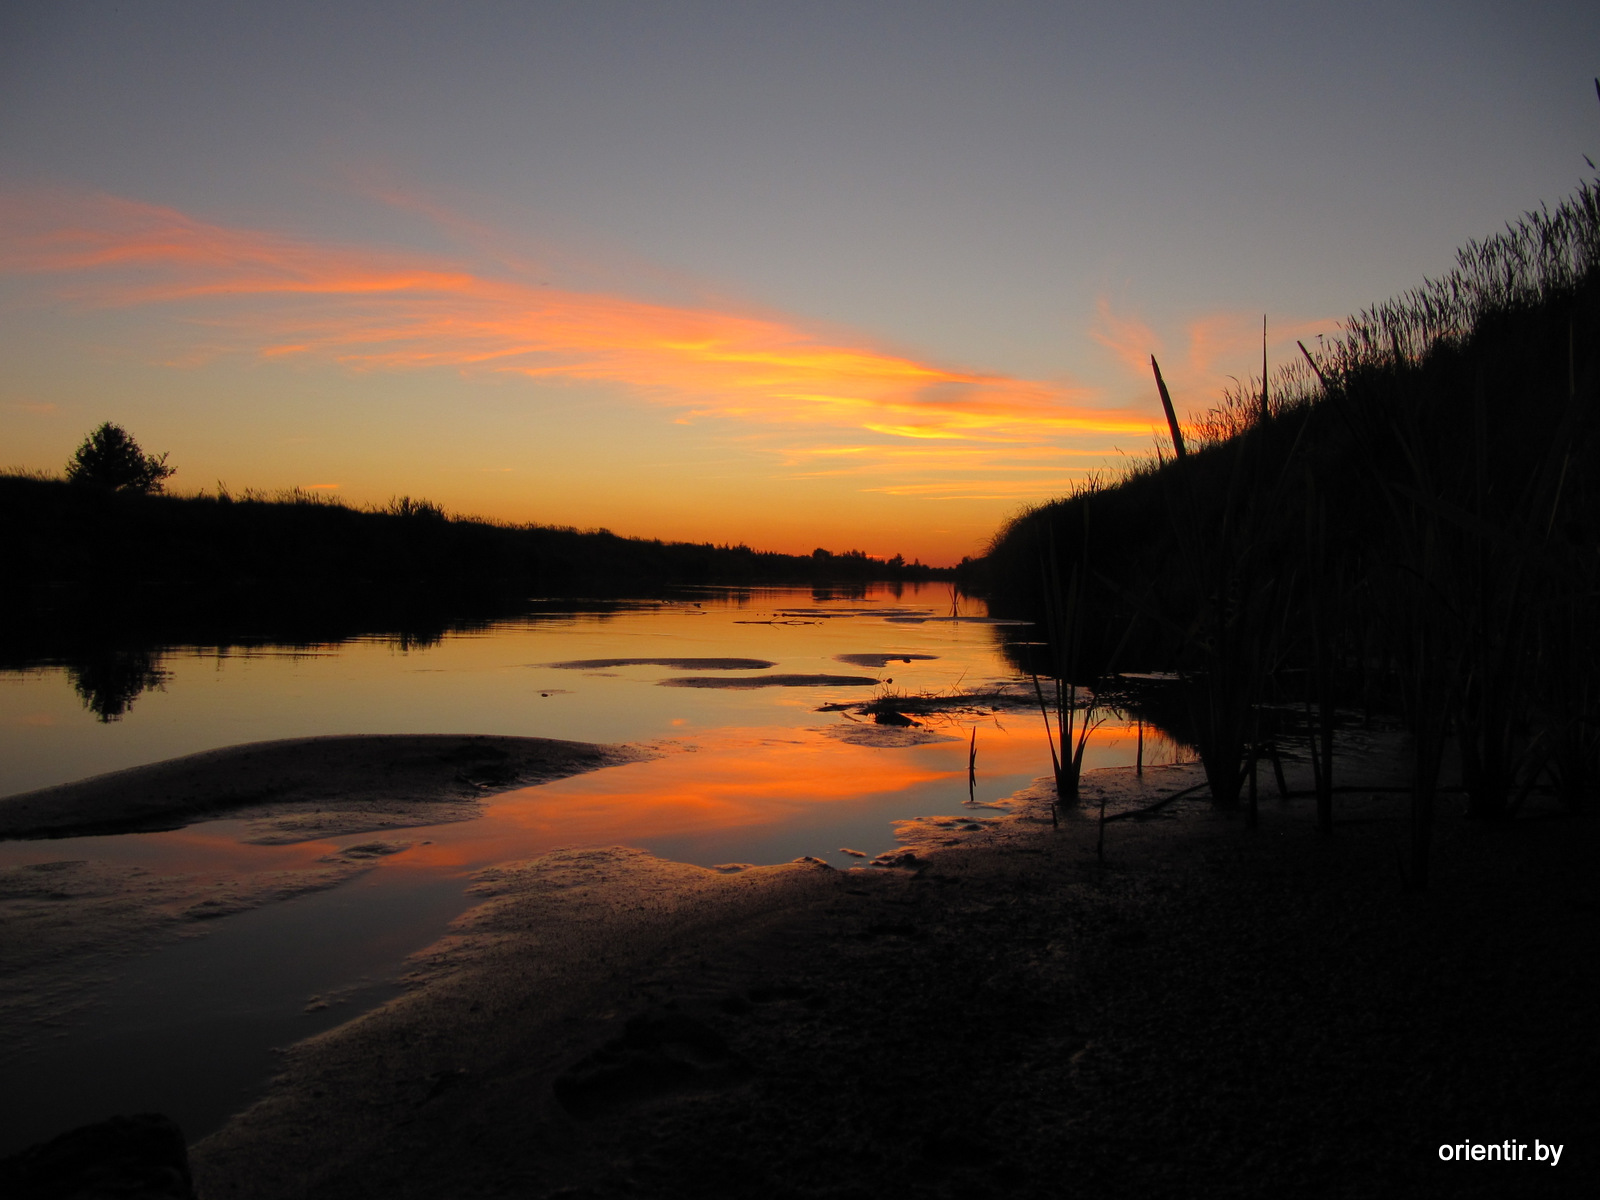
[{"x": 110, "y": 458}]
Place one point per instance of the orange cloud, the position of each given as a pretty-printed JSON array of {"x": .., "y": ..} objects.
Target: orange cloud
[
  {"x": 952, "y": 472},
  {"x": 277, "y": 297},
  {"x": 1129, "y": 339},
  {"x": 1215, "y": 346}
]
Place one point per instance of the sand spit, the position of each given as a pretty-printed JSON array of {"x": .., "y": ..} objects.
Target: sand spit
[
  {"x": 881, "y": 660},
  {"x": 68, "y": 922},
  {"x": 301, "y": 788},
  {"x": 677, "y": 664},
  {"x": 1210, "y": 1011},
  {"x": 739, "y": 682},
  {"x": 893, "y": 707}
]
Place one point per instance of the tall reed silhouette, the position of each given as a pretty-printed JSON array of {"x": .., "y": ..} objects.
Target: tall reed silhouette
[{"x": 1406, "y": 517}]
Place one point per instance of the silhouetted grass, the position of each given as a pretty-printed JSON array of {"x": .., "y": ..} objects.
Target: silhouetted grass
[{"x": 1407, "y": 517}]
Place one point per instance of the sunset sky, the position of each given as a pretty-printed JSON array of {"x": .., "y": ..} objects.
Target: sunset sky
[{"x": 860, "y": 275}]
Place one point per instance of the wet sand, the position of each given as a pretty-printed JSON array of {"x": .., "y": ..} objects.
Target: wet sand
[
  {"x": 1211, "y": 1010},
  {"x": 295, "y": 789},
  {"x": 68, "y": 922}
]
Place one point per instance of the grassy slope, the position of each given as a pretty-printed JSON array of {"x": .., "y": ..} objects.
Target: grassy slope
[{"x": 1411, "y": 524}]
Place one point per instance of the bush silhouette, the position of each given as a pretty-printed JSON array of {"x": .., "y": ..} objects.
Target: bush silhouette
[{"x": 110, "y": 458}]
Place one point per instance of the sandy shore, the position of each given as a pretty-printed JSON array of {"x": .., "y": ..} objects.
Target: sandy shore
[
  {"x": 1210, "y": 1011},
  {"x": 299, "y": 788},
  {"x": 66, "y": 923}
]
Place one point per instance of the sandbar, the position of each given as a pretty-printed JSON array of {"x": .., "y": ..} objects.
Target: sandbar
[
  {"x": 677, "y": 664},
  {"x": 67, "y": 921},
  {"x": 881, "y": 660},
  {"x": 765, "y": 681},
  {"x": 299, "y": 788}
]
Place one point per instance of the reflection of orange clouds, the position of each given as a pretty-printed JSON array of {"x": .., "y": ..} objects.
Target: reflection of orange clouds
[
  {"x": 283, "y": 298},
  {"x": 748, "y": 779},
  {"x": 208, "y": 848},
  {"x": 438, "y": 855},
  {"x": 763, "y": 783},
  {"x": 754, "y": 782},
  {"x": 751, "y": 780}
]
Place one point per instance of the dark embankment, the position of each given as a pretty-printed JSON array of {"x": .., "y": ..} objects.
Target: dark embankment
[
  {"x": 70, "y": 539},
  {"x": 88, "y": 567},
  {"x": 1405, "y": 519}
]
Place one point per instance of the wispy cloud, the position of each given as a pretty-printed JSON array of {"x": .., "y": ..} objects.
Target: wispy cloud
[
  {"x": 820, "y": 402},
  {"x": 987, "y": 472},
  {"x": 1198, "y": 364},
  {"x": 1130, "y": 341},
  {"x": 281, "y": 298}
]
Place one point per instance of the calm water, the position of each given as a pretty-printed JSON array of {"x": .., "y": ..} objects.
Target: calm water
[{"x": 747, "y": 775}]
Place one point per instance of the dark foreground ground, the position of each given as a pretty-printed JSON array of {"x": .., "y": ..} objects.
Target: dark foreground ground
[{"x": 1212, "y": 1012}]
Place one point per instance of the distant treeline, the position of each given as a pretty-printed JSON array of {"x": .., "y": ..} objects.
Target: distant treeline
[
  {"x": 1406, "y": 518},
  {"x": 88, "y": 559}
]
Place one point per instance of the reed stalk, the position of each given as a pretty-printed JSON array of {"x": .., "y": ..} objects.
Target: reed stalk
[{"x": 972, "y": 768}]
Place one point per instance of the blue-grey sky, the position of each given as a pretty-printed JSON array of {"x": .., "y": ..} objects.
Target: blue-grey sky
[{"x": 930, "y": 245}]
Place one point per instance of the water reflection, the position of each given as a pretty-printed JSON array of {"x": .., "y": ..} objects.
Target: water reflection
[
  {"x": 112, "y": 666},
  {"x": 106, "y": 709},
  {"x": 109, "y": 683}
]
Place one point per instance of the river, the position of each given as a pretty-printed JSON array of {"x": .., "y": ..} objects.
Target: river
[{"x": 186, "y": 1024}]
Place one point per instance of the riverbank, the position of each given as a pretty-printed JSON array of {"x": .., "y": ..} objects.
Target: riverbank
[
  {"x": 1210, "y": 1011},
  {"x": 88, "y": 567}
]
